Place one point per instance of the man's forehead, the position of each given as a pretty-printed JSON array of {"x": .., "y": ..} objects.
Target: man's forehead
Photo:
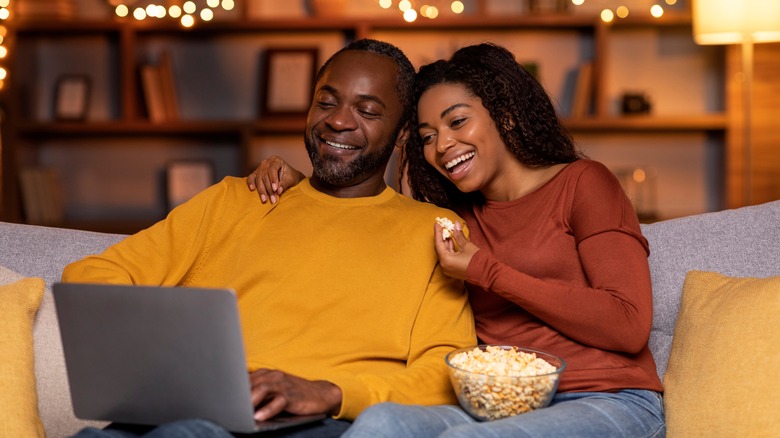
[{"x": 359, "y": 62}]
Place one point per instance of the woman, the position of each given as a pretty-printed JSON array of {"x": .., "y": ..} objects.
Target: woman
[{"x": 556, "y": 260}]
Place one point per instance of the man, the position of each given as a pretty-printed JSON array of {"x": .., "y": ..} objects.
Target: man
[{"x": 342, "y": 301}]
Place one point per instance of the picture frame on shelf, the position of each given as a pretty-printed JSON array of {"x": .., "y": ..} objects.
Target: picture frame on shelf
[
  {"x": 287, "y": 81},
  {"x": 71, "y": 97},
  {"x": 187, "y": 178}
]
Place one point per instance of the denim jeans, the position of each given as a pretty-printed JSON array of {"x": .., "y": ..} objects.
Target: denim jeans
[
  {"x": 628, "y": 413},
  {"x": 204, "y": 429}
]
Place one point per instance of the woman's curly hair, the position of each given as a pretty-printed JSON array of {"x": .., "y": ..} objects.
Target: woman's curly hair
[{"x": 517, "y": 103}]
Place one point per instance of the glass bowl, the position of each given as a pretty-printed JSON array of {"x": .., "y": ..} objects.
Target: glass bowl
[{"x": 498, "y": 381}]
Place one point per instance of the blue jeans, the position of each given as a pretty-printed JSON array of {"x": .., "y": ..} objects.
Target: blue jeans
[
  {"x": 628, "y": 413},
  {"x": 205, "y": 429}
]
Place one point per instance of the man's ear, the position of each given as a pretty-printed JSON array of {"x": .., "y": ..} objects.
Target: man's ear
[{"x": 403, "y": 136}]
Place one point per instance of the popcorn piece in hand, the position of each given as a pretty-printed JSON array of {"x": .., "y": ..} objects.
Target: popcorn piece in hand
[{"x": 447, "y": 227}]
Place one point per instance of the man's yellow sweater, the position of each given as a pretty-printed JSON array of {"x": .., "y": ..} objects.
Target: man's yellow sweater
[{"x": 347, "y": 290}]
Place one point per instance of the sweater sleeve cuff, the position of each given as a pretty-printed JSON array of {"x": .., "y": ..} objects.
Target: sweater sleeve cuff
[
  {"x": 478, "y": 267},
  {"x": 354, "y": 397}
]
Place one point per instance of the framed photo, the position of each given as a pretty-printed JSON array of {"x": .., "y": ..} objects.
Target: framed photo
[
  {"x": 287, "y": 82},
  {"x": 71, "y": 98},
  {"x": 187, "y": 178}
]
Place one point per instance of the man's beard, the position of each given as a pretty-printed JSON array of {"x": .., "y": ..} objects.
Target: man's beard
[{"x": 333, "y": 171}]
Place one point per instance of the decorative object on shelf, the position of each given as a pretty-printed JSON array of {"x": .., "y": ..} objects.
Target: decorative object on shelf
[
  {"x": 635, "y": 103},
  {"x": 41, "y": 196},
  {"x": 742, "y": 22},
  {"x": 187, "y": 178},
  {"x": 187, "y": 12},
  {"x": 288, "y": 81},
  {"x": 640, "y": 186},
  {"x": 71, "y": 97},
  {"x": 429, "y": 9}
]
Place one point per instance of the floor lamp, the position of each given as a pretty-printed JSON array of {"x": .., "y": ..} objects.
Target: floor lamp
[{"x": 744, "y": 22}]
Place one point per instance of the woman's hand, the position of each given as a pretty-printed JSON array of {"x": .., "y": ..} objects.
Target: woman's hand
[
  {"x": 271, "y": 177},
  {"x": 454, "y": 253}
]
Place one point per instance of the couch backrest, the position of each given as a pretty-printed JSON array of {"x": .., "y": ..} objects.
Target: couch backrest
[
  {"x": 43, "y": 252},
  {"x": 743, "y": 242}
]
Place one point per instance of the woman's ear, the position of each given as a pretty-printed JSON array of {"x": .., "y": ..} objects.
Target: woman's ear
[{"x": 403, "y": 137}]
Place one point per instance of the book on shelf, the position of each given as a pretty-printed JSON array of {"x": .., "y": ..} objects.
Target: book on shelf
[
  {"x": 159, "y": 89},
  {"x": 168, "y": 83},
  {"x": 583, "y": 91},
  {"x": 153, "y": 97},
  {"x": 41, "y": 196}
]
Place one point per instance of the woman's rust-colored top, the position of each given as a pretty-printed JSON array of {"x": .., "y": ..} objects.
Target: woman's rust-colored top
[{"x": 564, "y": 269}]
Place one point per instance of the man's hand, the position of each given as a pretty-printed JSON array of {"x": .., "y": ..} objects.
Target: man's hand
[
  {"x": 454, "y": 253},
  {"x": 274, "y": 391},
  {"x": 270, "y": 178}
]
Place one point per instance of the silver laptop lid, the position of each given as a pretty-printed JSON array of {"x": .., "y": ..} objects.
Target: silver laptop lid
[{"x": 152, "y": 355}]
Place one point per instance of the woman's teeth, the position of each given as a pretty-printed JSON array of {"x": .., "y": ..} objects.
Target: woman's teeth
[
  {"x": 449, "y": 165},
  {"x": 340, "y": 146}
]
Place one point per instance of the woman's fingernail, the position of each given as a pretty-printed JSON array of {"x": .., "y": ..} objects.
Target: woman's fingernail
[
  {"x": 273, "y": 199},
  {"x": 273, "y": 186},
  {"x": 263, "y": 198},
  {"x": 457, "y": 226}
]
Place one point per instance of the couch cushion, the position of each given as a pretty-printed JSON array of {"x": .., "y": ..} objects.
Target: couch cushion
[
  {"x": 740, "y": 243},
  {"x": 722, "y": 378},
  {"x": 19, "y": 301}
]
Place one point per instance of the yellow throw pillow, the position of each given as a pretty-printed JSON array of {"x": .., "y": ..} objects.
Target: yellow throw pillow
[
  {"x": 19, "y": 302},
  {"x": 723, "y": 377}
]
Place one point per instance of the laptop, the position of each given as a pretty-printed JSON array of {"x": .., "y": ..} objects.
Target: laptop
[{"x": 150, "y": 355}]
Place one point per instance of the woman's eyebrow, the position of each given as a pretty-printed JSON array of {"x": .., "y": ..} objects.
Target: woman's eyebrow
[{"x": 445, "y": 112}]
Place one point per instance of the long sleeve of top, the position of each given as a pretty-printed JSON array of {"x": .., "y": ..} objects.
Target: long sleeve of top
[
  {"x": 564, "y": 269},
  {"x": 344, "y": 290}
]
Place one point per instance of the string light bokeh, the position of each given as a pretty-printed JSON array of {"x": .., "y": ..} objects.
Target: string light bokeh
[
  {"x": 186, "y": 12},
  {"x": 5, "y": 14},
  {"x": 432, "y": 9}
]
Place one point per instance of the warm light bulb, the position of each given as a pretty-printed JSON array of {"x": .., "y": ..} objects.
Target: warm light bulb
[
  {"x": 151, "y": 10},
  {"x": 639, "y": 175},
  {"x": 405, "y": 5},
  {"x": 3, "y": 30},
  {"x": 607, "y": 15},
  {"x": 577, "y": 2},
  {"x": 457, "y": 7},
  {"x": 122, "y": 11},
  {"x": 189, "y": 7},
  {"x": 174, "y": 11},
  {"x": 4, "y": 13},
  {"x": 432, "y": 12},
  {"x": 212, "y": 3},
  {"x": 4, "y": 3},
  {"x": 656, "y": 11},
  {"x": 3, "y": 52},
  {"x": 622, "y": 11},
  {"x": 3, "y": 73},
  {"x": 385, "y": 4},
  {"x": 139, "y": 13},
  {"x": 671, "y": 2},
  {"x": 228, "y": 5},
  {"x": 206, "y": 14},
  {"x": 410, "y": 15},
  {"x": 187, "y": 20}
]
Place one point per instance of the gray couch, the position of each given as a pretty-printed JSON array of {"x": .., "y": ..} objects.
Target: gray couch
[{"x": 741, "y": 242}]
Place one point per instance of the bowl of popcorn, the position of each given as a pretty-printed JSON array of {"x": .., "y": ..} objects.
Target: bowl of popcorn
[{"x": 498, "y": 381}]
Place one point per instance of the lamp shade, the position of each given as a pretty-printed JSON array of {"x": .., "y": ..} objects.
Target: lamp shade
[{"x": 736, "y": 21}]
